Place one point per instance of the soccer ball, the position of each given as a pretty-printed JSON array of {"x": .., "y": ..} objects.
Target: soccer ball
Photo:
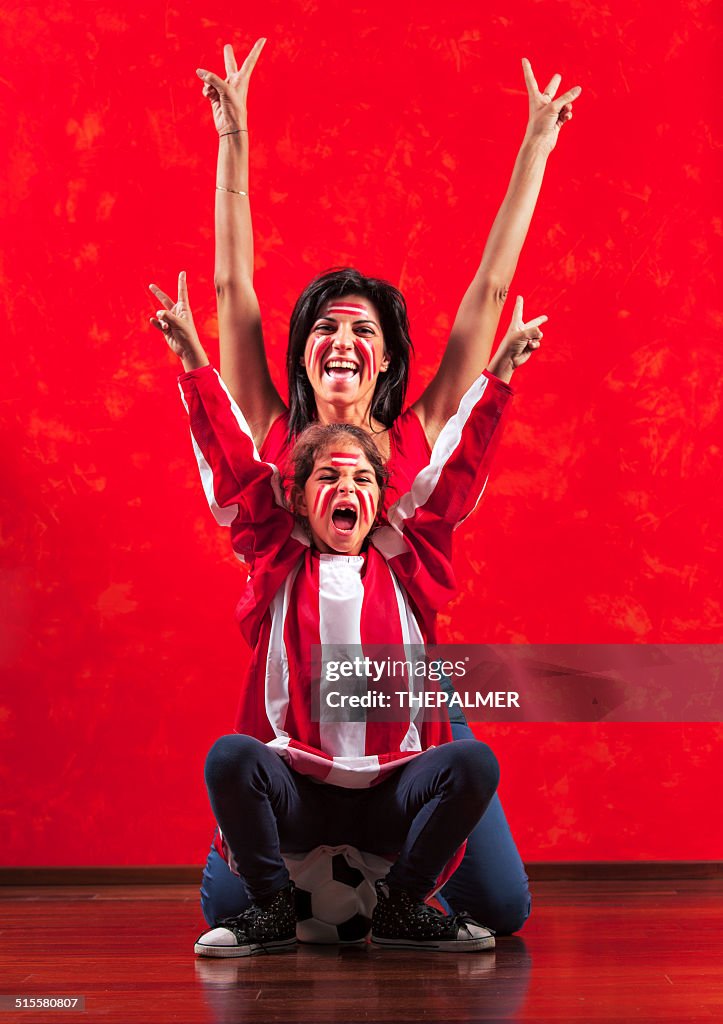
[{"x": 335, "y": 893}]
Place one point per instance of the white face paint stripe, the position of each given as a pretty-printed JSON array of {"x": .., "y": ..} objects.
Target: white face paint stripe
[
  {"x": 343, "y": 459},
  {"x": 350, "y": 311},
  {"x": 317, "y": 347}
]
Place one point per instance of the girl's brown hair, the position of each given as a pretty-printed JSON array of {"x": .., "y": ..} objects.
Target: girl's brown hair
[{"x": 317, "y": 438}]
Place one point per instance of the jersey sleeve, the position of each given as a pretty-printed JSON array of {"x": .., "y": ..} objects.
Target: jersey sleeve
[
  {"x": 418, "y": 541},
  {"x": 244, "y": 493}
]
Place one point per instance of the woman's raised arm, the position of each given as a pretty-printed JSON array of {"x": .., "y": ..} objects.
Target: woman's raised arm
[
  {"x": 243, "y": 359},
  {"x": 473, "y": 332}
]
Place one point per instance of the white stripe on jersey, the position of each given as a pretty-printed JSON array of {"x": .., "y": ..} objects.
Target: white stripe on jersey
[
  {"x": 241, "y": 420},
  {"x": 427, "y": 479},
  {"x": 411, "y": 634},
  {"x": 341, "y": 595},
  {"x": 226, "y": 516},
  {"x": 276, "y": 681},
  {"x": 223, "y": 516}
]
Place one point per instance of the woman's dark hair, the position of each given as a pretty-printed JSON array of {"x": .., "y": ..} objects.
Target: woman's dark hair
[
  {"x": 318, "y": 438},
  {"x": 391, "y": 388}
]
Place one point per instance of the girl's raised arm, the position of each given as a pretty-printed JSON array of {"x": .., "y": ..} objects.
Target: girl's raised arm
[
  {"x": 243, "y": 359},
  {"x": 472, "y": 335}
]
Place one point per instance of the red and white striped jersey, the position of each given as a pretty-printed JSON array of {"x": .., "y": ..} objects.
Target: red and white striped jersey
[{"x": 296, "y": 597}]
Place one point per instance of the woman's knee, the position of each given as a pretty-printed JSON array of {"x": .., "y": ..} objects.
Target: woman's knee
[
  {"x": 508, "y": 916},
  {"x": 504, "y": 911}
]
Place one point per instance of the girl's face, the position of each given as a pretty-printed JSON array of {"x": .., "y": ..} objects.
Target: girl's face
[
  {"x": 344, "y": 353},
  {"x": 340, "y": 499}
]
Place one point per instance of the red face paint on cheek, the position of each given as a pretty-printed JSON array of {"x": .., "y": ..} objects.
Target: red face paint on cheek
[
  {"x": 318, "y": 345},
  {"x": 366, "y": 347},
  {"x": 366, "y": 503},
  {"x": 323, "y": 497},
  {"x": 327, "y": 500}
]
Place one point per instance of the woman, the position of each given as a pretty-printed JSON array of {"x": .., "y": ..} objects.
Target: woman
[
  {"x": 341, "y": 577},
  {"x": 369, "y": 329}
]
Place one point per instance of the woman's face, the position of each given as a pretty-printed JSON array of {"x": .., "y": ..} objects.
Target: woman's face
[
  {"x": 340, "y": 499},
  {"x": 344, "y": 354}
]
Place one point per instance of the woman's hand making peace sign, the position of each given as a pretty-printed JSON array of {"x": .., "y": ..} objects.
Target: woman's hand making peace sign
[
  {"x": 228, "y": 96},
  {"x": 547, "y": 114}
]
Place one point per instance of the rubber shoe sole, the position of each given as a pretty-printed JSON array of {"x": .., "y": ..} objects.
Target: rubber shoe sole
[
  {"x": 222, "y": 947},
  {"x": 448, "y": 946}
]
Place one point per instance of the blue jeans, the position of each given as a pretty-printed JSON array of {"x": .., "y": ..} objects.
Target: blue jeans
[{"x": 490, "y": 883}]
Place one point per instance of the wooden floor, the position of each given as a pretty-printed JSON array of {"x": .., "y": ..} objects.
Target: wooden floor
[{"x": 591, "y": 952}]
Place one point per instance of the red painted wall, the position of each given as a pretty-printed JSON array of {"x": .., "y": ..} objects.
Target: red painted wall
[{"x": 385, "y": 139}]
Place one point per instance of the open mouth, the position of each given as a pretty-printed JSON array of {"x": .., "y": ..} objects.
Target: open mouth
[
  {"x": 344, "y": 519},
  {"x": 341, "y": 369}
]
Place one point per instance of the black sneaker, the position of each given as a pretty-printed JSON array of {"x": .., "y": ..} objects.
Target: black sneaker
[
  {"x": 255, "y": 930},
  {"x": 401, "y": 921}
]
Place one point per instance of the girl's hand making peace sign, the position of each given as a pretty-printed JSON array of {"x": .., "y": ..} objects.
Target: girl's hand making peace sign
[{"x": 175, "y": 322}]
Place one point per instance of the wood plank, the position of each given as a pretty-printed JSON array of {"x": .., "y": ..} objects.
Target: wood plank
[
  {"x": 190, "y": 874},
  {"x": 613, "y": 951}
]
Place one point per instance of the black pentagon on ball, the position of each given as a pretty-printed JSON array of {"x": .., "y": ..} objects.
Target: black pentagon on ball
[
  {"x": 302, "y": 900},
  {"x": 357, "y": 927},
  {"x": 342, "y": 871}
]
